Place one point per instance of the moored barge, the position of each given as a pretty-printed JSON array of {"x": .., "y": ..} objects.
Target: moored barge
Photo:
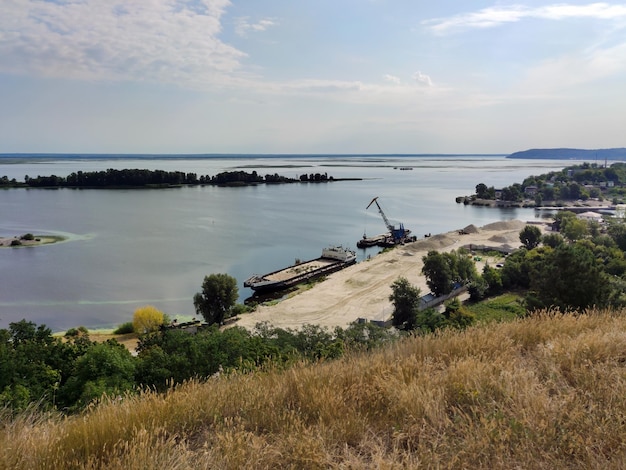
[{"x": 333, "y": 259}]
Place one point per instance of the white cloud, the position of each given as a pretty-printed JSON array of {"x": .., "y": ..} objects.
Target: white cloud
[
  {"x": 562, "y": 73},
  {"x": 243, "y": 25},
  {"x": 392, "y": 79},
  {"x": 156, "y": 40},
  {"x": 495, "y": 16},
  {"x": 422, "y": 79}
]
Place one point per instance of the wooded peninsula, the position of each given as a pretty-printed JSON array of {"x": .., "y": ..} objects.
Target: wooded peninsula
[
  {"x": 584, "y": 182},
  {"x": 141, "y": 178}
]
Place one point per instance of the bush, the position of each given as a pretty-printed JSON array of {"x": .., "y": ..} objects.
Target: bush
[
  {"x": 76, "y": 332},
  {"x": 28, "y": 236},
  {"x": 147, "y": 319},
  {"x": 15, "y": 242},
  {"x": 124, "y": 328}
]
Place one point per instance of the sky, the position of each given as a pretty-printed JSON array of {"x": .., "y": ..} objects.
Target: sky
[{"x": 310, "y": 76}]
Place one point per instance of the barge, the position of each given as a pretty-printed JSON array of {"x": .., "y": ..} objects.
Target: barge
[{"x": 333, "y": 259}]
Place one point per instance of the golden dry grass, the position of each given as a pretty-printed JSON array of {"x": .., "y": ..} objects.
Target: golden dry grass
[{"x": 544, "y": 392}]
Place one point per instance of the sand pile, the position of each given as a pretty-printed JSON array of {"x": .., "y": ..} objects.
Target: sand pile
[
  {"x": 471, "y": 229},
  {"x": 436, "y": 242},
  {"x": 505, "y": 225},
  {"x": 510, "y": 238}
]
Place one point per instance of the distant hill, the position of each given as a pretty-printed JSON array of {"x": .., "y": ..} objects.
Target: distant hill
[{"x": 572, "y": 154}]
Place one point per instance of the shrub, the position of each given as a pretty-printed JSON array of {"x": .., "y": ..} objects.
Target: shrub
[
  {"x": 76, "y": 332},
  {"x": 124, "y": 328}
]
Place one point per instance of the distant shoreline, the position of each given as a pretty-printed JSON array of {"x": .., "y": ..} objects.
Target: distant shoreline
[
  {"x": 612, "y": 154},
  {"x": 202, "y": 156}
]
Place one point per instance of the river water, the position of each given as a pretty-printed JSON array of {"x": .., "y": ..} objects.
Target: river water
[{"x": 128, "y": 248}]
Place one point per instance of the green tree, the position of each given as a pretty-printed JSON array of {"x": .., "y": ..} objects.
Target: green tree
[
  {"x": 575, "y": 191},
  {"x": 105, "y": 368},
  {"x": 568, "y": 277},
  {"x": 218, "y": 297},
  {"x": 552, "y": 240},
  {"x": 478, "y": 289},
  {"x": 405, "y": 299},
  {"x": 482, "y": 191},
  {"x": 516, "y": 270},
  {"x": 617, "y": 231},
  {"x": 575, "y": 229},
  {"x": 493, "y": 279},
  {"x": 429, "y": 320},
  {"x": 463, "y": 266},
  {"x": 439, "y": 271},
  {"x": 530, "y": 236},
  {"x": 33, "y": 365},
  {"x": 562, "y": 218}
]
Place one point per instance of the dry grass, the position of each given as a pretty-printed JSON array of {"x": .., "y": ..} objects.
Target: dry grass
[{"x": 545, "y": 392}]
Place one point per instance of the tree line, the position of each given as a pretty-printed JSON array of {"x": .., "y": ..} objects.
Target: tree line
[
  {"x": 588, "y": 180},
  {"x": 138, "y": 178},
  {"x": 43, "y": 370}
]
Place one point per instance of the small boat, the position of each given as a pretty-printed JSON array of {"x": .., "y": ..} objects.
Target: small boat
[{"x": 333, "y": 259}]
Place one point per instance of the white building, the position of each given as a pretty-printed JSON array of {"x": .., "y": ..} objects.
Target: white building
[{"x": 591, "y": 216}]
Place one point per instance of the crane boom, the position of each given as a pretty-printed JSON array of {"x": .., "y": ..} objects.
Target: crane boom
[
  {"x": 387, "y": 223},
  {"x": 397, "y": 235}
]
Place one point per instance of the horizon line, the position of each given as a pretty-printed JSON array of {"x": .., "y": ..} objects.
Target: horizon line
[{"x": 234, "y": 155}]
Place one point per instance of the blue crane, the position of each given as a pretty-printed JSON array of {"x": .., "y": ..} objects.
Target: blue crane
[{"x": 397, "y": 233}]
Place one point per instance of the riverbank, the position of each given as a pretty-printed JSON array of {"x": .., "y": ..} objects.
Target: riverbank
[
  {"x": 362, "y": 291},
  {"x": 574, "y": 206}
]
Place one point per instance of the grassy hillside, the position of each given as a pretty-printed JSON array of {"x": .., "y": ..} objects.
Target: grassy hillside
[{"x": 543, "y": 392}]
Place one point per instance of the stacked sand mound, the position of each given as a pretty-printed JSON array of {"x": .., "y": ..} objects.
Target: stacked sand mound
[
  {"x": 506, "y": 225},
  {"x": 436, "y": 242},
  {"x": 471, "y": 228},
  {"x": 506, "y": 238}
]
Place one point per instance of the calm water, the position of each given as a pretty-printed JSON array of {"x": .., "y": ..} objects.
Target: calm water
[{"x": 128, "y": 248}]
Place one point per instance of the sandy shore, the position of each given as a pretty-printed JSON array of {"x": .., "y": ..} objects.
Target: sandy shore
[
  {"x": 39, "y": 240},
  {"x": 362, "y": 290}
]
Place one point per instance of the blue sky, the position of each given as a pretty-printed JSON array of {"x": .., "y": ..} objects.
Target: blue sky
[{"x": 310, "y": 76}]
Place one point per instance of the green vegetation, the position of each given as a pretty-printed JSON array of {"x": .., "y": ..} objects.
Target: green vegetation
[
  {"x": 138, "y": 178},
  {"x": 505, "y": 307},
  {"x": 588, "y": 180},
  {"x": 124, "y": 329},
  {"x": 540, "y": 392},
  {"x": 409, "y": 315},
  {"x": 444, "y": 270},
  {"x": 71, "y": 372}
]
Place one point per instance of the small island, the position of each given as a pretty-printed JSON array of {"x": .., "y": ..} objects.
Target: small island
[
  {"x": 28, "y": 239},
  {"x": 158, "y": 179}
]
